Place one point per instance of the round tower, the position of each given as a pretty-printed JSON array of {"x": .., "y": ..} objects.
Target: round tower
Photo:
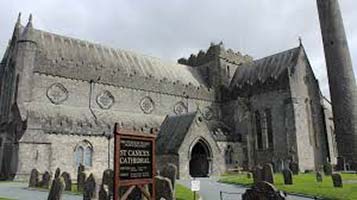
[{"x": 341, "y": 80}]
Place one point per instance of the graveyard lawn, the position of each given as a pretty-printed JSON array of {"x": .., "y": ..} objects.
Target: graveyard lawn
[
  {"x": 305, "y": 184},
  {"x": 182, "y": 193}
]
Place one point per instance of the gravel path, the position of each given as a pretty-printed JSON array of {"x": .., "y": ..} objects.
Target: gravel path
[
  {"x": 17, "y": 190},
  {"x": 210, "y": 190}
]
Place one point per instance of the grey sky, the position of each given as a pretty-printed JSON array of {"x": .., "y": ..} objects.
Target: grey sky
[{"x": 177, "y": 28}]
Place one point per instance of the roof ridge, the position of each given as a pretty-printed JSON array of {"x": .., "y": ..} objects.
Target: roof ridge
[
  {"x": 99, "y": 45},
  {"x": 278, "y": 53}
]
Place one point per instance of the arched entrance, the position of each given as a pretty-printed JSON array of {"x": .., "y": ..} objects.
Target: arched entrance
[{"x": 200, "y": 160}]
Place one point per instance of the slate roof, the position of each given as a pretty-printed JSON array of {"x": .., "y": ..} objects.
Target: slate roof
[
  {"x": 172, "y": 132},
  {"x": 67, "y": 57},
  {"x": 263, "y": 69}
]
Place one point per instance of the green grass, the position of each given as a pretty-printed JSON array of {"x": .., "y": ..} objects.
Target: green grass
[
  {"x": 184, "y": 193},
  {"x": 306, "y": 184},
  {"x": 1, "y": 198}
]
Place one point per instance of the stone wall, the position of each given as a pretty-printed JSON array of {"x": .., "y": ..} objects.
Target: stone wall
[
  {"x": 310, "y": 136},
  {"x": 199, "y": 130}
]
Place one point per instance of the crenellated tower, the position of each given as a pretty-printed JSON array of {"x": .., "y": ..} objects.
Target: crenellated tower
[{"x": 341, "y": 80}]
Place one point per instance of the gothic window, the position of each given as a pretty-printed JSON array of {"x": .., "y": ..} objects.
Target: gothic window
[
  {"x": 269, "y": 128},
  {"x": 258, "y": 127},
  {"x": 84, "y": 154},
  {"x": 309, "y": 121},
  {"x": 229, "y": 155},
  {"x": 79, "y": 155}
]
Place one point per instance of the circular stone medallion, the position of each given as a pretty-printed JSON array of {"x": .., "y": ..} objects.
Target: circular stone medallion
[
  {"x": 105, "y": 100},
  {"x": 57, "y": 93},
  {"x": 147, "y": 105},
  {"x": 208, "y": 113},
  {"x": 180, "y": 108}
]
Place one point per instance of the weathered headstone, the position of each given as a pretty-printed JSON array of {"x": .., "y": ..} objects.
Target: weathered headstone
[
  {"x": 337, "y": 180},
  {"x": 268, "y": 173},
  {"x": 319, "y": 177},
  {"x": 288, "y": 177},
  {"x": 170, "y": 172},
  {"x": 46, "y": 179},
  {"x": 57, "y": 173},
  {"x": 258, "y": 174},
  {"x": 163, "y": 188},
  {"x": 57, "y": 187},
  {"x": 80, "y": 168},
  {"x": 327, "y": 169},
  {"x": 34, "y": 178},
  {"x": 107, "y": 179},
  {"x": 81, "y": 178},
  {"x": 104, "y": 193},
  {"x": 89, "y": 192},
  {"x": 341, "y": 163},
  {"x": 67, "y": 180},
  {"x": 263, "y": 191},
  {"x": 294, "y": 167},
  {"x": 249, "y": 175}
]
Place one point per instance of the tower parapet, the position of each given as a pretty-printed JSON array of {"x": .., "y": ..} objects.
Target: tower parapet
[{"x": 213, "y": 52}]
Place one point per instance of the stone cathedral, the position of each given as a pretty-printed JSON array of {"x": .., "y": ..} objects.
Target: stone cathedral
[{"x": 213, "y": 111}]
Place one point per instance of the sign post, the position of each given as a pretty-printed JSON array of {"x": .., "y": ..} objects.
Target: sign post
[
  {"x": 195, "y": 187},
  {"x": 134, "y": 162}
]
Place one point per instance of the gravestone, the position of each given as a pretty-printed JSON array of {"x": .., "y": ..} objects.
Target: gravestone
[
  {"x": 263, "y": 191},
  {"x": 319, "y": 177},
  {"x": 288, "y": 177},
  {"x": 327, "y": 169},
  {"x": 341, "y": 163},
  {"x": 268, "y": 173},
  {"x": 258, "y": 174},
  {"x": 89, "y": 192},
  {"x": 57, "y": 173},
  {"x": 163, "y": 188},
  {"x": 57, "y": 187},
  {"x": 170, "y": 171},
  {"x": 104, "y": 192},
  {"x": 294, "y": 167},
  {"x": 81, "y": 178},
  {"x": 107, "y": 179},
  {"x": 67, "y": 180},
  {"x": 249, "y": 175},
  {"x": 337, "y": 180},
  {"x": 46, "y": 178},
  {"x": 34, "y": 178}
]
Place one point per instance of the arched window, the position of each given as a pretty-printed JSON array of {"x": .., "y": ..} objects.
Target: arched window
[
  {"x": 258, "y": 130},
  {"x": 269, "y": 128},
  {"x": 229, "y": 155},
  {"x": 88, "y": 156},
  {"x": 84, "y": 154}
]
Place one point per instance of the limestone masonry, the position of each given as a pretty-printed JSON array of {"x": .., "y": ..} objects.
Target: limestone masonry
[{"x": 214, "y": 111}]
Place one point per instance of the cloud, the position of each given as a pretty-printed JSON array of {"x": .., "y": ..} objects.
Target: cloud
[{"x": 174, "y": 29}]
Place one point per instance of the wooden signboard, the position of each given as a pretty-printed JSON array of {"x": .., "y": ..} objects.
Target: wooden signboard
[{"x": 134, "y": 162}]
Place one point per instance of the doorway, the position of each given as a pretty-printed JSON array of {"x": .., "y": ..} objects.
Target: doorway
[{"x": 200, "y": 160}]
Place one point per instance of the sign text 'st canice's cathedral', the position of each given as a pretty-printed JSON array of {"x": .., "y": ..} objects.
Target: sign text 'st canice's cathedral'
[{"x": 216, "y": 110}]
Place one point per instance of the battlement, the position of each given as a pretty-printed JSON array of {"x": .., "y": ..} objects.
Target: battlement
[{"x": 213, "y": 52}]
